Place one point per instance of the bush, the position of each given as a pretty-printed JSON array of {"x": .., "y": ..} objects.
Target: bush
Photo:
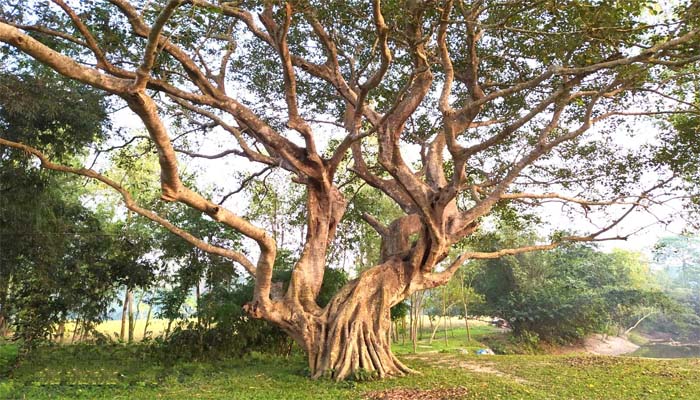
[
  {"x": 554, "y": 314},
  {"x": 222, "y": 329}
]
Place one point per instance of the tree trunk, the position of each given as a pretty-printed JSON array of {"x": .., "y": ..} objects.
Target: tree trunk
[
  {"x": 75, "y": 329},
  {"x": 403, "y": 331},
  {"x": 436, "y": 326},
  {"x": 60, "y": 331},
  {"x": 444, "y": 326},
  {"x": 420, "y": 323},
  {"x": 466, "y": 323},
  {"x": 4, "y": 293},
  {"x": 434, "y": 331},
  {"x": 148, "y": 319},
  {"x": 639, "y": 321},
  {"x": 444, "y": 312},
  {"x": 352, "y": 336},
  {"x": 122, "y": 332},
  {"x": 197, "y": 298},
  {"x": 167, "y": 329},
  {"x": 130, "y": 298},
  {"x": 411, "y": 321}
]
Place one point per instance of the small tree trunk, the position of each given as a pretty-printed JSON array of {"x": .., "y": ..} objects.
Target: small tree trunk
[
  {"x": 148, "y": 319},
  {"x": 639, "y": 321},
  {"x": 138, "y": 305},
  {"x": 466, "y": 324},
  {"x": 412, "y": 321},
  {"x": 433, "y": 332},
  {"x": 130, "y": 297},
  {"x": 432, "y": 336},
  {"x": 75, "y": 329},
  {"x": 197, "y": 298},
  {"x": 60, "y": 332},
  {"x": 167, "y": 329},
  {"x": 4, "y": 292},
  {"x": 444, "y": 312},
  {"x": 444, "y": 328},
  {"x": 85, "y": 330},
  {"x": 403, "y": 331},
  {"x": 122, "y": 332},
  {"x": 420, "y": 324}
]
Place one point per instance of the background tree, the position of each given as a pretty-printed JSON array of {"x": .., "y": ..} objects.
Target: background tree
[
  {"x": 468, "y": 297},
  {"x": 47, "y": 236},
  {"x": 677, "y": 262},
  {"x": 563, "y": 295},
  {"x": 489, "y": 98}
]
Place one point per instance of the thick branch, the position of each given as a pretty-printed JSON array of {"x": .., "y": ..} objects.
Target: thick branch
[{"x": 133, "y": 206}]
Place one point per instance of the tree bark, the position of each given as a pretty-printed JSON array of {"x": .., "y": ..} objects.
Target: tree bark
[
  {"x": 466, "y": 323},
  {"x": 75, "y": 329},
  {"x": 4, "y": 293},
  {"x": 352, "y": 336},
  {"x": 122, "y": 332},
  {"x": 148, "y": 320},
  {"x": 130, "y": 301},
  {"x": 444, "y": 312}
]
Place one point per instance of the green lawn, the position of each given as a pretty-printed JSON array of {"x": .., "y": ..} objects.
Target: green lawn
[
  {"x": 456, "y": 340},
  {"x": 127, "y": 372}
]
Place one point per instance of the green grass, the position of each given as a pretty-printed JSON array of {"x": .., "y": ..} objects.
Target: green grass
[
  {"x": 637, "y": 339},
  {"x": 456, "y": 340},
  {"x": 128, "y": 372}
]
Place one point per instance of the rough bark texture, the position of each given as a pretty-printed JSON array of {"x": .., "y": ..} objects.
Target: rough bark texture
[{"x": 353, "y": 336}]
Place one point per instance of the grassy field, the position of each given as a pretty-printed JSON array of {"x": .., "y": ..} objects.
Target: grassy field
[
  {"x": 120, "y": 371},
  {"x": 156, "y": 327}
]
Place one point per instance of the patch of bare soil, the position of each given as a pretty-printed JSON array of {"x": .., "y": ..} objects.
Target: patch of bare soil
[
  {"x": 418, "y": 394},
  {"x": 610, "y": 346},
  {"x": 473, "y": 366}
]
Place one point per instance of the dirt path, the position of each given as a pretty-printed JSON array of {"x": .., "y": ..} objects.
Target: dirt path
[
  {"x": 611, "y": 346},
  {"x": 481, "y": 367}
]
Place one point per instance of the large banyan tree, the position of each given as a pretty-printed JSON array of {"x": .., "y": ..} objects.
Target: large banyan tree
[{"x": 450, "y": 108}]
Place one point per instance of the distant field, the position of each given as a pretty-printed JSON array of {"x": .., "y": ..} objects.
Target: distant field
[{"x": 156, "y": 327}]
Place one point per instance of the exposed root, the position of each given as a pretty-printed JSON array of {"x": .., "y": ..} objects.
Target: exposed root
[{"x": 353, "y": 339}]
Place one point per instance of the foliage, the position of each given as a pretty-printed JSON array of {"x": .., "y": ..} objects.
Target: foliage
[
  {"x": 400, "y": 311},
  {"x": 564, "y": 294},
  {"x": 222, "y": 329},
  {"x": 33, "y": 110},
  {"x": 677, "y": 262},
  {"x": 60, "y": 260}
]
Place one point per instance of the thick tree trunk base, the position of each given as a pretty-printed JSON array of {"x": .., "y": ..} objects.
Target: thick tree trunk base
[
  {"x": 360, "y": 354},
  {"x": 353, "y": 338}
]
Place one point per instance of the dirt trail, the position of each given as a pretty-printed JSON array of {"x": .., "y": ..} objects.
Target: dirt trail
[
  {"x": 482, "y": 367},
  {"x": 611, "y": 346}
]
